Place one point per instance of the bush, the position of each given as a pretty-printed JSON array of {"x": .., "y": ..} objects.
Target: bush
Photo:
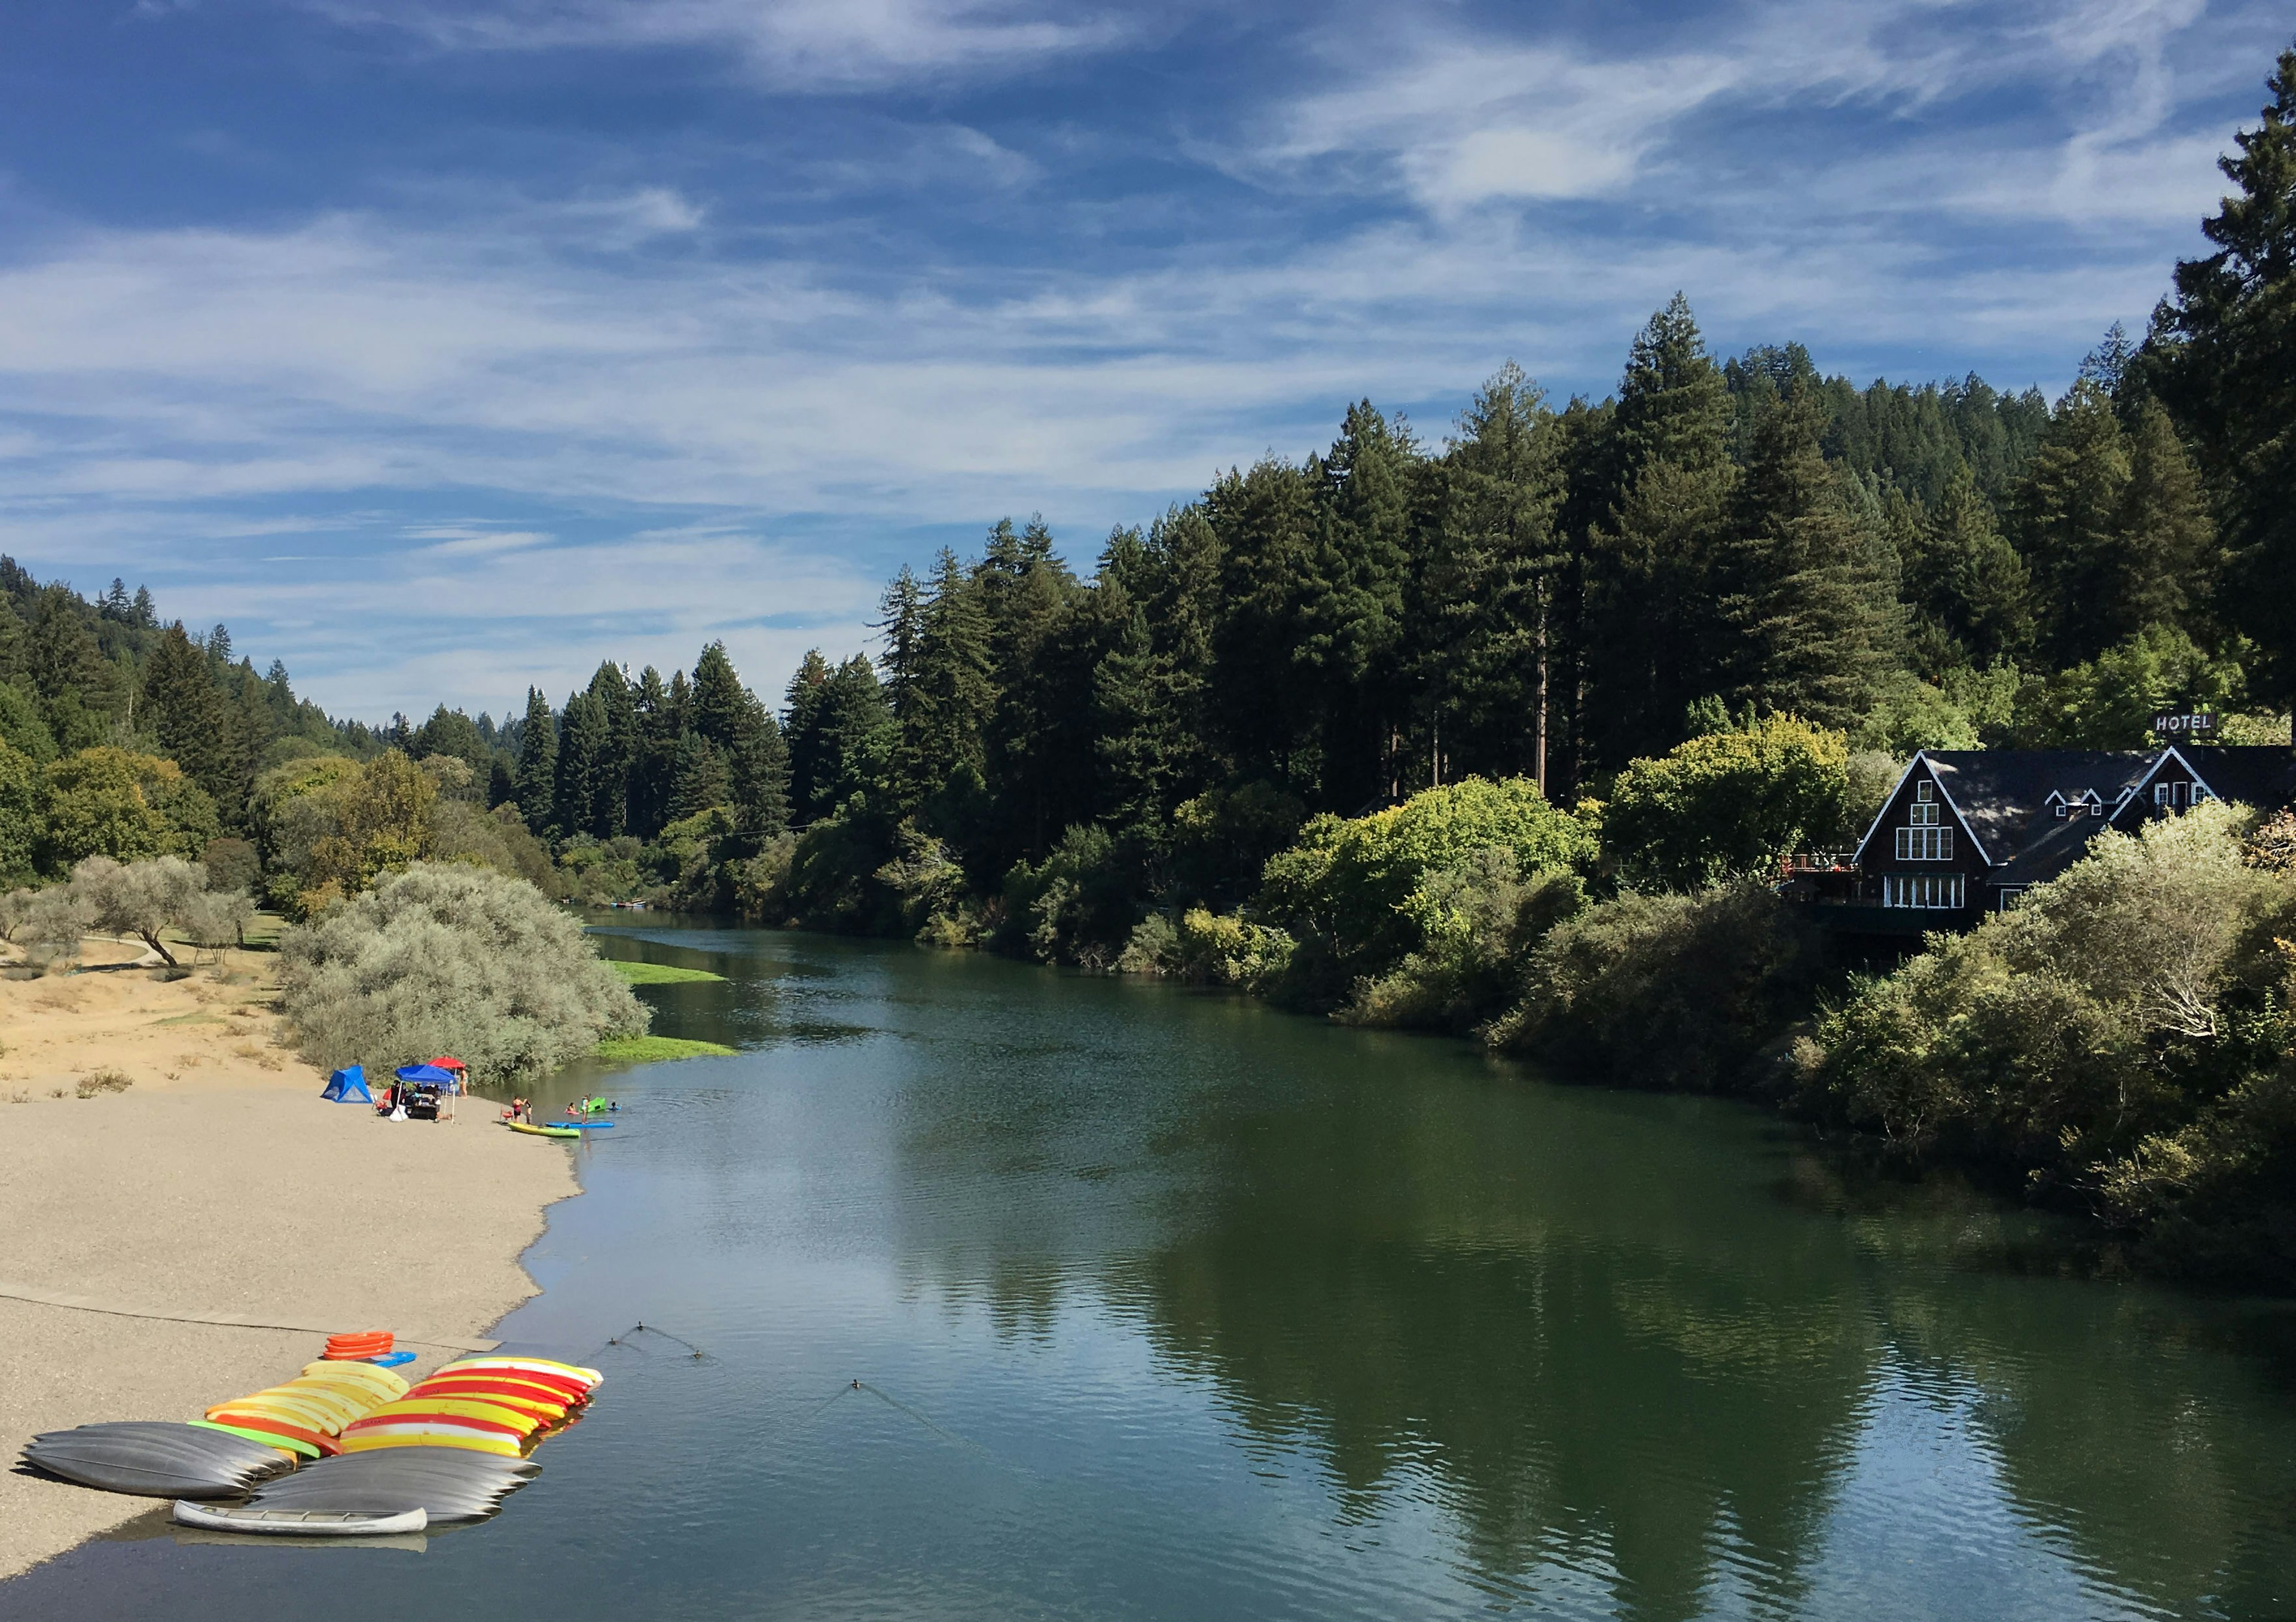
[
  {"x": 1729, "y": 805},
  {"x": 47, "y": 924},
  {"x": 1479, "y": 921},
  {"x": 1221, "y": 841},
  {"x": 2123, "y": 1038},
  {"x": 1677, "y": 991},
  {"x": 1347, "y": 886},
  {"x": 451, "y": 958},
  {"x": 1074, "y": 906},
  {"x": 1206, "y": 948},
  {"x": 2058, "y": 1033}
]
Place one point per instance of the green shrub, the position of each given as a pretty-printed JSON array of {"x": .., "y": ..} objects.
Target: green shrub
[
  {"x": 1477, "y": 922},
  {"x": 1075, "y": 906},
  {"x": 1346, "y": 889},
  {"x": 1673, "y": 991},
  {"x": 1727, "y": 805},
  {"x": 447, "y": 958}
]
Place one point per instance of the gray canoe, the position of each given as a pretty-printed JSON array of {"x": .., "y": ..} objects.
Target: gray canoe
[
  {"x": 298, "y": 1523},
  {"x": 156, "y": 1459}
]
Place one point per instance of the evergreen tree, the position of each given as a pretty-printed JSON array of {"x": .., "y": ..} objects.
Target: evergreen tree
[
  {"x": 719, "y": 700},
  {"x": 1352, "y": 605},
  {"x": 2224, "y": 360},
  {"x": 219, "y": 645},
  {"x": 949, "y": 692},
  {"x": 1484, "y": 598},
  {"x": 1650, "y": 633},
  {"x": 585, "y": 752},
  {"x": 1264, "y": 700},
  {"x": 618, "y": 754},
  {"x": 2069, "y": 513},
  {"x": 802, "y": 729},
  {"x": 2166, "y": 559},
  {"x": 116, "y": 606},
  {"x": 757, "y": 770},
  {"x": 184, "y": 711},
  {"x": 536, "y": 779},
  {"x": 657, "y": 755},
  {"x": 1808, "y": 600},
  {"x": 851, "y": 739},
  {"x": 698, "y": 778},
  {"x": 1964, "y": 579}
]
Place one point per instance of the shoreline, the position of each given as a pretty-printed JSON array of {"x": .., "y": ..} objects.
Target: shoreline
[{"x": 217, "y": 1192}]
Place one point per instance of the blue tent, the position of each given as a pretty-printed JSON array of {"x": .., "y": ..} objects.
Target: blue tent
[
  {"x": 430, "y": 1073},
  {"x": 347, "y": 1087}
]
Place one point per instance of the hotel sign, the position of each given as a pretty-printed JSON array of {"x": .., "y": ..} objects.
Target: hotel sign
[{"x": 2200, "y": 724}]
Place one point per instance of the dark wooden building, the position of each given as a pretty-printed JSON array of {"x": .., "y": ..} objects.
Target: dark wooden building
[{"x": 1966, "y": 831}]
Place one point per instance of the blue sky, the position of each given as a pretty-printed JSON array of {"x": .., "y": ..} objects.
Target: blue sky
[{"x": 439, "y": 346}]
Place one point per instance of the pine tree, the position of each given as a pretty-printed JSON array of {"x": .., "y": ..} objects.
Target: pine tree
[
  {"x": 698, "y": 778},
  {"x": 147, "y": 616},
  {"x": 1808, "y": 602},
  {"x": 1264, "y": 702},
  {"x": 184, "y": 711},
  {"x": 657, "y": 753},
  {"x": 618, "y": 752},
  {"x": 757, "y": 771},
  {"x": 116, "y": 606},
  {"x": 718, "y": 698},
  {"x": 585, "y": 748},
  {"x": 1651, "y": 634},
  {"x": 2166, "y": 560},
  {"x": 1484, "y": 595},
  {"x": 2069, "y": 515},
  {"x": 1966, "y": 577},
  {"x": 2224, "y": 357},
  {"x": 801, "y": 728},
  {"x": 536, "y": 779},
  {"x": 950, "y": 689},
  {"x": 219, "y": 645}
]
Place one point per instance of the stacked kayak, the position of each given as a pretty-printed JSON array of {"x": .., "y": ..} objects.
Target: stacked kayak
[
  {"x": 157, "y": 1459},
  {"x": 444, "y": 1484},
  {"x": 309, "y": 1413},
  {"x": 496, "y": 1405}
]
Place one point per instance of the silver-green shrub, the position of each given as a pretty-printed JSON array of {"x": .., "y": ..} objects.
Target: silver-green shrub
[{"x": 448, "y": 958}]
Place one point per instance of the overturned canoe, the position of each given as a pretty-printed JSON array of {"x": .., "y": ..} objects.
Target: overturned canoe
[{"x": 300, "y": 1523}]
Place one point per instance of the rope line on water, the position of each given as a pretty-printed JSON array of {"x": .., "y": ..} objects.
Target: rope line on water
[{"x": 626, "y": 1340}]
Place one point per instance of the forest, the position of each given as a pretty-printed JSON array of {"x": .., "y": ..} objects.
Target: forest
[{"x": 1494, "y": 733}]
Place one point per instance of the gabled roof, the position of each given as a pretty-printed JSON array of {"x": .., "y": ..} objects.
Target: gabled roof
[
  {"x": 2260, "y": 775},
  {"x": 2003, "y": 796}
]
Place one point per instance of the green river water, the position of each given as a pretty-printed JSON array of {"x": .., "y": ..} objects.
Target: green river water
[{"x": 1165, "y": 1304}]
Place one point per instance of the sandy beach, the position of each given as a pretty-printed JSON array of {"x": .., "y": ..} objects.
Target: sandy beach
[{"x": 215, "y": 1184}]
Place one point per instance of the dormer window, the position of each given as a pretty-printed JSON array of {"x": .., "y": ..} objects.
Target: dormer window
[{"x": 1926, "y": 791}]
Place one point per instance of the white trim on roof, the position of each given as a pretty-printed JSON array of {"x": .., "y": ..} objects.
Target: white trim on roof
[
  {"x": 2153, "y": 771},
  {"x": 1922, "y": 759}
]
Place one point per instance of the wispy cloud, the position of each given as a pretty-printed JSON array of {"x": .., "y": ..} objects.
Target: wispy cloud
[{"x": 817, "y": 45}]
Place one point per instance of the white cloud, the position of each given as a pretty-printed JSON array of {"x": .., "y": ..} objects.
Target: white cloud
[{"x": 804, "y": 44}]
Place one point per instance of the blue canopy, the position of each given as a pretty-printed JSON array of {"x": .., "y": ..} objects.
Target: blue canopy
[
  {"x": 347, "y": 1087},
  {"x": 430, "y": 1073}
]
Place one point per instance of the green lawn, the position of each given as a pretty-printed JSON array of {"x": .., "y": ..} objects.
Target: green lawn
[
  {"x": 645, "y": 1049},
  {"x": 659, "y": 974}
]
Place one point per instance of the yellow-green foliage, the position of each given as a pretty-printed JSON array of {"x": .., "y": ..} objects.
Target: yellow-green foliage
[
  {"x": 659, "y": 974},
  {"x": 1349, "y": 883},
  {"x": 330, "y": 827},
  {"x": 647, "y": 1050},
  {"x": 1727, "y": 805},
  {"x": 111, "y": 802}
]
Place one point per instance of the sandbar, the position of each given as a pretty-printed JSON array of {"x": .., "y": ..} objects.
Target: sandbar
[{"x": 217, "y": 1185}]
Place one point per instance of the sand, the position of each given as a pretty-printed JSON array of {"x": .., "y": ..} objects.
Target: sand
[{"x": 217, "y": 1185}]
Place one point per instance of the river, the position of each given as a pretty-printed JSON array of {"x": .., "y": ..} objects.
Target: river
[{"x": 1164, "y": 1303}]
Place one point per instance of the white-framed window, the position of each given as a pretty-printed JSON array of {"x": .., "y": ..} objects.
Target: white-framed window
[
  {"x": 2012, "y": 895},
  {"x": 1922, "y": 814},
  {"x": 2159, "y": 793},
  {"x": 2201, "y": 792},
  {"x": 1924, "y": 790},
  {"x": 2062, "y": 809},
  {"x": 1925, "y": 845},
  {"x": 1936, "y": 892}
]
